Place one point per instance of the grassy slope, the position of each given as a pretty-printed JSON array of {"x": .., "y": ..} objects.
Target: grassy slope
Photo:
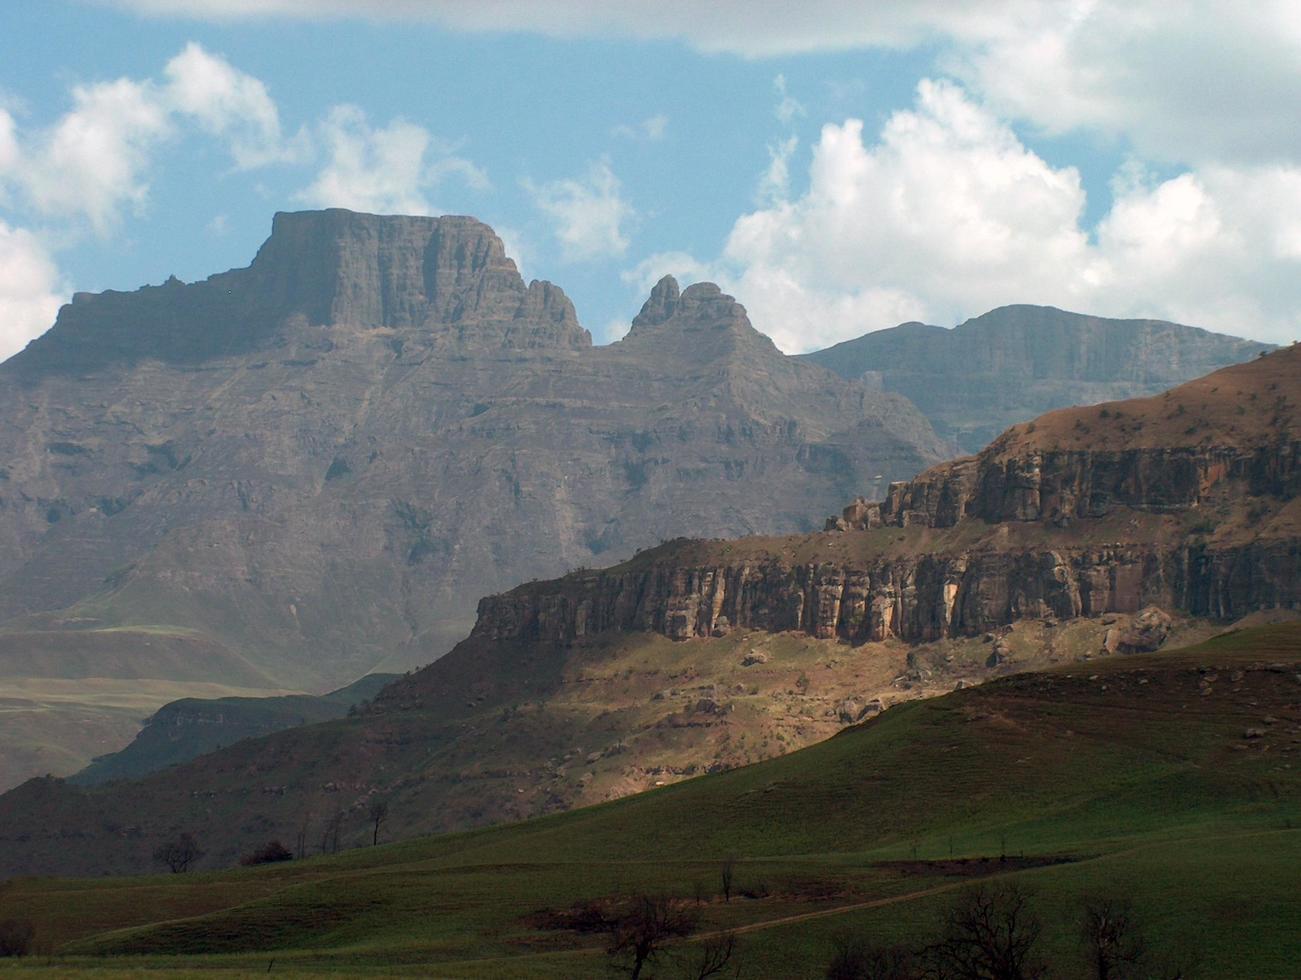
[{"x": 1137, "y": 766}]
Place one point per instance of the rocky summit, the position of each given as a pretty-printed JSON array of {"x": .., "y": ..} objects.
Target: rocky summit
[
  {"x": 318, "y": 463},
  {"x": 1016, "y": 362}
]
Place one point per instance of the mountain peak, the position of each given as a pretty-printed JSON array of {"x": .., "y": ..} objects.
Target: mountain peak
[
  {"x": 702, "y": 304},
  {"x": 660, "y": 305},
  {"x": 447, "y": 276},
  {"x": 338, "y": 266}
]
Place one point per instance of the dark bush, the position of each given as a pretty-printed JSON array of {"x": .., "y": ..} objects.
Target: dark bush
[
  {"x": 16, "y": 937},
  {"x": 268, "y": 853}
]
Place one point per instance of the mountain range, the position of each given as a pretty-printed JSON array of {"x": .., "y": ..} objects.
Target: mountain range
[{"x": 1087, "y": 532}]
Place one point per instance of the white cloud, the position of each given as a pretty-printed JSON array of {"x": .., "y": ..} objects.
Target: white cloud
[
  {"x": 736, "y": 26},
  {"x": 30, "y": 289},
  {"x": 788, "y": 107},
  {"x": 230, "y": 104},
  {"x": 947, "y": 214},
  {"x": 1187, "y": 82},
  {"x": 774, "y": 184},
  {"x": 588, "y": 213},
  {"x": 649, "y": 130},
  {"x": 95, "y": 160},
  {"x": 382, "y": 169}
]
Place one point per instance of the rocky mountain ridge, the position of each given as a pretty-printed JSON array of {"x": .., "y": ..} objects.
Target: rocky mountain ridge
[{"x": 1016, "y": 362}]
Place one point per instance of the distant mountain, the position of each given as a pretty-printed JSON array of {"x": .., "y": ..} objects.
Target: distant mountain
[
  {"x": 190, "y": 727},
  {"x": 1017, "y": 362},
  {"x": 319, "y": 462},
  {"x": 1105, "y": 529}
]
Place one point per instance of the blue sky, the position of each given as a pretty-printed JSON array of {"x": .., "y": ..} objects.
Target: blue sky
[{"x": 839, "y": 170}]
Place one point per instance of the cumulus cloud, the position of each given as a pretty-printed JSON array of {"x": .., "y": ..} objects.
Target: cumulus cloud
[
  {"x": 947, "y": 214},
  {"x": 94, "y": 161},
  {"x": 588, "y": 214},
  {"x": 383, "y": 169},
  {"x": 228, "y": 103},
  {"x": 30, "y": 289},
  {"x": 1190, "y": 82}
]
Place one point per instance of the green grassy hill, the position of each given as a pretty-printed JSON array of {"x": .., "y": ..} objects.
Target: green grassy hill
[{"x": 1169, "y": 778}]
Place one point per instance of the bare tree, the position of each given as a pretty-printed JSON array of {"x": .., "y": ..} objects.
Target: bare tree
[
  {"x": 378, "y": 814},
  {"x": 857, "y": 959},
  {"x": 179, "y": 854},
  {"x": 989, "y": 934},
  {"x": 1112, "y": 939},
  {"x": 330, "y": 835},
  {"x": 728, "y": 876},
  {"x": 304, "y": 828},
  {"x": 639, "y": 933},
  {"x": 713, "y": 955}
]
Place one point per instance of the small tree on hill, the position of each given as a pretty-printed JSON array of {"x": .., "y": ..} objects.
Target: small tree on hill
[
  {"x": 179, "y": 854},
  {"x": 857, "y": 959},
  {"x": 728, "y": 875},
  {"x": 712, "y": 956},
  {"x": 1112, "y": 940},
  {"x": 330, "y": 834},
  {"x": 378, "y": 813},
  {"x": 639, "y": 932}
]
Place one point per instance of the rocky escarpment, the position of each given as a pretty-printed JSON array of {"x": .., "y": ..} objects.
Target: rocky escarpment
[
  {"x": 1016, "y": 362},
  {"x": 1198, "y": 516},
  {"x": 920, "y": 599}
]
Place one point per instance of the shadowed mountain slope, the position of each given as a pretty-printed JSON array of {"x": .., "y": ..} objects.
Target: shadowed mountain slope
[
  {"x": 321, "y": 461},
  {"x": 1016, "y": 362}
]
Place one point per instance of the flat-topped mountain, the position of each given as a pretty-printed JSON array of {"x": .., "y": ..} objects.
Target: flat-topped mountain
[
  {"x": 1057, "y": 543},
  {"x": 321, "y": 461},
  {"x": 1016, "y": 362}
]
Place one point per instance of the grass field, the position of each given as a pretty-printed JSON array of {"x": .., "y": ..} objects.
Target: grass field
[{"x": 1169, "y": 779}]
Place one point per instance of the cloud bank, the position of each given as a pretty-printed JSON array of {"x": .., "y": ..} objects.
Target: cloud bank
[{"x": 946, "y": 214}]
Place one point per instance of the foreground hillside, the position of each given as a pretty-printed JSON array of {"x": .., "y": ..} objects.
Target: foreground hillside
[
  {"x": 700, "y": 655},
  {"x": 1169, "y": 779},
  {"x": 1016, "y": 362}
]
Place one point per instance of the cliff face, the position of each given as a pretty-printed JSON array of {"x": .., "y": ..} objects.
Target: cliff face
[
  {"x": 1205, "y": 522},
  {"x": 923, "y": 599},
  {"x": 1016, "y": 362}
]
